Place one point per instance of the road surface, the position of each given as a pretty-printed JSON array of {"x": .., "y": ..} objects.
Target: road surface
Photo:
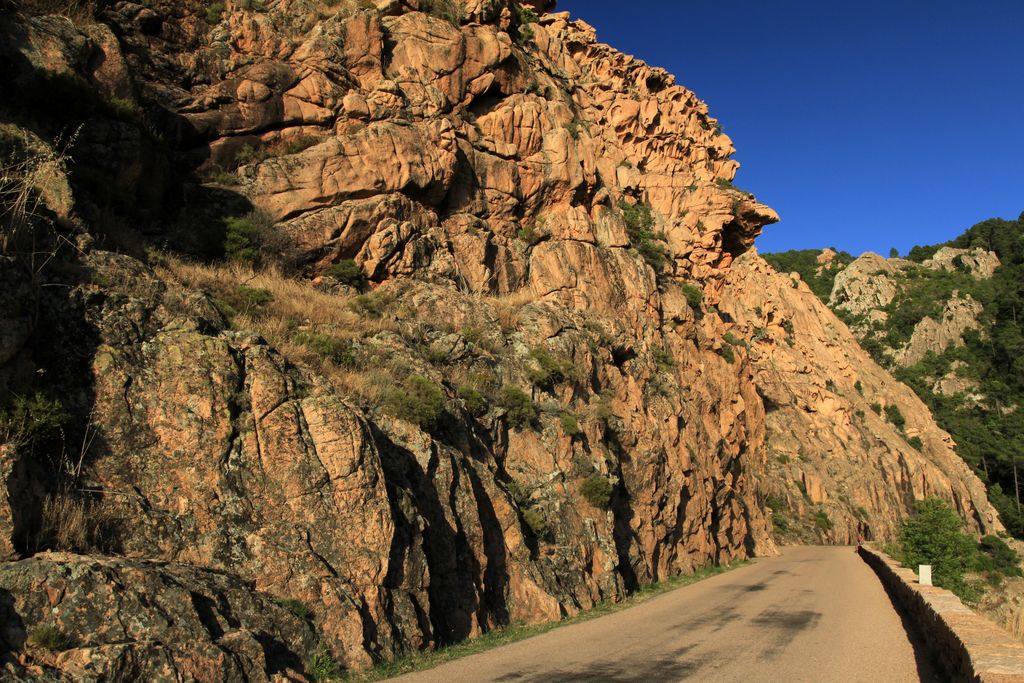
[{"x": 814, "y": 614}]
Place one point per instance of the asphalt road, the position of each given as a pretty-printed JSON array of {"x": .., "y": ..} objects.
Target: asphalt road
[{"x": 814, "y": 614}]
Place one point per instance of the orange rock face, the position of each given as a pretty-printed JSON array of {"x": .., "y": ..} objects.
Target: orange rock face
[{"x": 544, "y": 221}]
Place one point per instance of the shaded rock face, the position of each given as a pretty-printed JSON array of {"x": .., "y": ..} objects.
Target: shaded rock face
[{"x": 481, "y": 173}]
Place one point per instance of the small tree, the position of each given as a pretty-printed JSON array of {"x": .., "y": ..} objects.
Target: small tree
[{"x": 934, "y": 535}]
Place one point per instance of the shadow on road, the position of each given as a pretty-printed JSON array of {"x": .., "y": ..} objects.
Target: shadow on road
[
  {"x": 926, "y": 670},
  {"x": 666, "y": 668}
]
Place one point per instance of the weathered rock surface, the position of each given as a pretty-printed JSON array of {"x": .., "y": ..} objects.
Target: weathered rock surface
[
  {"x": 959, "y": 315},
  {"x": 480, "y": 174},
  {"x": 867, "y": 285},
  {"x": 828, "y": 451},
  {"x": 979, "y": 263},
  {"x": 135, "y": 620}
]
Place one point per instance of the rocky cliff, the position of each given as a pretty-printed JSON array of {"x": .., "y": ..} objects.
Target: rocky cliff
[{"x": 335, "y": 331}]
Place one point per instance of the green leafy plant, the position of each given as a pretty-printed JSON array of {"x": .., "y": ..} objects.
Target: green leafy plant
[
  {"x": 934, "y": 536},
  {"x": 348, "y": 272},
  {"x": 639, "y": 221},
  {"x": 338, "y": 351},
  {"x": 549, "y": 369},
  {"x": 255, "y": 296},
  {"x": 526, "y": 16},
  {"x": 597, "y": 489},
  {"x": 214, "y": 12},
  {"x": 296, "y": 607},
  {"x": 694, "y": 295},
  {"x": 570, "y": 425},
  {"x": 322, "y": 667},
  {"x": 894, "y": 416},
  {"x": 537, "y": 522},
  {"x": 474, "y": 401},
  {"x": 50, "y": 638},
  {"x": 821, "y": 520},
  {"x": 417, "y": 400},
  {"x": 519, "y": 408}
]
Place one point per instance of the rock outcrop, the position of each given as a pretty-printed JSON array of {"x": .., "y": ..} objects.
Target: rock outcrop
[
  {"x": 959, "y": 315},
  {"x": 500, "y": 383},
  {"x": 835, "y": 465}
]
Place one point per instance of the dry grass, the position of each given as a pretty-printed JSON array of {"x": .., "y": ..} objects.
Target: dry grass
[
  {"x": 507, "y": 306},
  {"x": 291, "y": 299},
  {"x": 72, "y": 523},
  {"x": 27, "y": 179},
  {"x": 294, "y": 311}
]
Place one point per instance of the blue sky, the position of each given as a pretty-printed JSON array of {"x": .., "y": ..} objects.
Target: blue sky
[{"x": 866, "y": 125}]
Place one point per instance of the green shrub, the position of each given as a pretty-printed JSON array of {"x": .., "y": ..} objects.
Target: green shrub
[
  {"x": 859, "y": 387},
  {"x": 893, "y": 415},
  {"x": 597, "y": 489},
  {"x": 537, "y": 522},
  {"x": 338, "y": 351},
  {"x": 782, "y": 458},
  {"x": 247, "y": 239},
  {"x": 732, "y": 339},
  {"x": 519, "y": 494},
  {"x": 214, "y": 12},
  {"x": 474, "y": 401},
  {"x": 296, "y": 607},
  {"x": 780, "y": 522},
  {"x": 369, "y": 305},
  {"x": 663, "y": 359},
  {"x": 877, "y": 408},
  {"x": 727, "y": 353},
  {"x": 550, "y": 370},
  {"x": 915, "y": 442},
  {"x": 322, "y": 666},
  {"x": 50, "y": 638},
  {"x": 570, "y": 425},
  {"x": 639, "y": 221},
  {"x": 995, "y": 555},
  {"x": 694, "y": 295},
  {"x": 418, "y": 401},
  {"x": 821, "y": 520},
  {"x": 526, "y": 17},
  {"x": 533, "y": 234},
  {"x": 255, "y": 296},
  {"x": 348, "y": 272},
  {"x": 934, "y": 536},
  {"x": 518, "y": 406},
  {"x": 32, "y": 420}
]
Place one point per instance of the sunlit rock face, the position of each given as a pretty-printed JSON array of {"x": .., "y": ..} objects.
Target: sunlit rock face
[{"x": 535, "y": 212}]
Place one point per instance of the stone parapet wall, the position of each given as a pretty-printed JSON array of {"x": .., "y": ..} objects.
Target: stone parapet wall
[{"x": 965, "y": 645}]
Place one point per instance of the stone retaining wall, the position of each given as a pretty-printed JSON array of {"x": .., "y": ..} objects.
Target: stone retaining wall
[{"x": 967, "y": 646}]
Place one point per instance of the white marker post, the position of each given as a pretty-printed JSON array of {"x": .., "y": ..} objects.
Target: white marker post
[{"x": 924, "y": 574}]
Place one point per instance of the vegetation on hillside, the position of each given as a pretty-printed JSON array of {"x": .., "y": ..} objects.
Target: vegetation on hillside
[
  {"x": 986, "y": 422},
  {"x": 804, "y": 261}
]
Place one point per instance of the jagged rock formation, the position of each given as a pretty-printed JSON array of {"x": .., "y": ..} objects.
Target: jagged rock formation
[{"x": 538, "y": 403}]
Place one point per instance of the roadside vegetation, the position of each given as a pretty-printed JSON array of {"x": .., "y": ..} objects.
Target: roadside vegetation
[{"x": 935, "y": 536}]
